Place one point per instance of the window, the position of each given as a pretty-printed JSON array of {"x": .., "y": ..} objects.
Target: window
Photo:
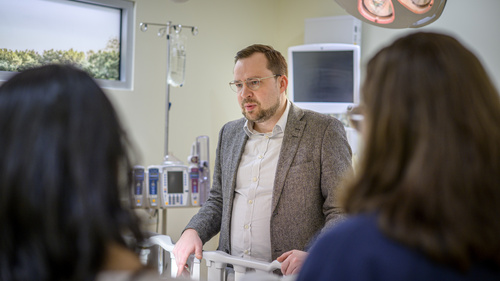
[{"x": 95, "y": 35}]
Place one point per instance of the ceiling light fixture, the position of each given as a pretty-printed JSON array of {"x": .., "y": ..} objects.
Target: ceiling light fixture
[{"x": 395, "y": 13}]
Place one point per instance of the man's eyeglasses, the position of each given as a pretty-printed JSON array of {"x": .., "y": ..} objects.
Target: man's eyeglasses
[{"x": 252, "y": 83}]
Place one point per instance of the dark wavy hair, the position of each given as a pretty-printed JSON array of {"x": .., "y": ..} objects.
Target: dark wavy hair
[
  {"x": 431, "y": 162},
  {"x": 64, "y": 159}
]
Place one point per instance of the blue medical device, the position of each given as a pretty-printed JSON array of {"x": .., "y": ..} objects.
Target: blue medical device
[
  {"x": 154, "y": 185},
  {"x": 137, "y": 189}
]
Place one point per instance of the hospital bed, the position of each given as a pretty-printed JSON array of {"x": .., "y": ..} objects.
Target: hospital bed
[{"x": 157, "y": 251}]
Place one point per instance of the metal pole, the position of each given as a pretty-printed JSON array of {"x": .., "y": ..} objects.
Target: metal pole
[
  {"x": 194, "y": 31},
  {"x": 167, "y": 111},
  {"x": 167, "y": 97}
]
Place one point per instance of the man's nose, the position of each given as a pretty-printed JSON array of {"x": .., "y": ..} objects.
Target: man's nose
[{"x": 246, "y": 91}]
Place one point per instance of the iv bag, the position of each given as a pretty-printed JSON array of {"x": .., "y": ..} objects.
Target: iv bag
[{"x": 177, "y": 66}]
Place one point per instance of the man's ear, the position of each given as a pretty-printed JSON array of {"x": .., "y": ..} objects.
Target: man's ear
[{"x": 283, "y": 83}]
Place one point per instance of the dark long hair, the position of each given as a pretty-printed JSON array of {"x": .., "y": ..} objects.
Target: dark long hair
[
  {"x": 431, "y": 162},
  {"x": 63, "y": 160}
]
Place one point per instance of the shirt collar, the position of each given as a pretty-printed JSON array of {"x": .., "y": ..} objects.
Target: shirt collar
[{"x": 278, "y": 128}]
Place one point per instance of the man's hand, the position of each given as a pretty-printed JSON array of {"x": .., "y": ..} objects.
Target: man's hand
[
  {"x": 292, "y": 261},
  {"x": 189, "y": 243}
]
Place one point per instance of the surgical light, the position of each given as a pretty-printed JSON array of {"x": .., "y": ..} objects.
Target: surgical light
[
  {"x": 395, "y": 13},
  {"x": 382, "y": 8}
]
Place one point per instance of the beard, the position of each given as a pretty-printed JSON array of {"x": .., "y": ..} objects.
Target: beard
[{"x": 262, "y": 114}]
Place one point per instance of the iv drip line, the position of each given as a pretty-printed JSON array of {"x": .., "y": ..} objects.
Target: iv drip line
[{"x": 166, "y": 30}]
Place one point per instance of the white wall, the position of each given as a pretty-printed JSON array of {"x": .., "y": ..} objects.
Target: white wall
[
  {"x": 474, "y": 23},
  {"x": 205, "y": 103}
]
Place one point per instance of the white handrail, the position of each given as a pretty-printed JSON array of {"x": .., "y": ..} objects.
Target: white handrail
[{"x": 216, "y": 261}]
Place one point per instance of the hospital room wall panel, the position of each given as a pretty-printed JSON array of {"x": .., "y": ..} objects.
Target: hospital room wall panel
[
  {"x": 474, "y": 23},
  {"x": 205, "y": 102}
]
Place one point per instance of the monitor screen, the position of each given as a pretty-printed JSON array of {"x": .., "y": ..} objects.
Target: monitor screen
[
  {"x": 324, "y": 77},
  {"x": 175, "y": 182}
]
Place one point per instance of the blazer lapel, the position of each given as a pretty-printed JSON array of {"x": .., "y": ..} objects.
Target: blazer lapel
[
  {"x": 291, "y": 139},
  {"x": 239, "y": 139},
  {"x": 237, "y": 150}
]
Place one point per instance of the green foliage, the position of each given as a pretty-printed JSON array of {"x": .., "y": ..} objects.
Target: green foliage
[
  {"x": 103, "y": 64},
  {"x": 18, "y": 60}
]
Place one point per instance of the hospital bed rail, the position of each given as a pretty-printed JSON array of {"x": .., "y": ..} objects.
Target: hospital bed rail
[{"x": 216, "y": 261}]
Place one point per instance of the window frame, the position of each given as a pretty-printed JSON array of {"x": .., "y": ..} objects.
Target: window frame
[{"x": 126, "y": 45}]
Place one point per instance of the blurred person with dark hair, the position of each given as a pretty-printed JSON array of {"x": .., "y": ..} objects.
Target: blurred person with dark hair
[
  {"x": 63, "y": 161},
  {"x": 425, "y": 201}
]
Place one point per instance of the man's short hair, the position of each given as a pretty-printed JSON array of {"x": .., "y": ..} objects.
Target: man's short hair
[{"x": 275, "y": 60}]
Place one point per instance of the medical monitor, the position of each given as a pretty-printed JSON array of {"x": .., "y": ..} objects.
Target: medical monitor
[
  {"x": 175, "y": 182},
  {"x": 175, "y": 186},
  {"x": 324, "y": 77}
]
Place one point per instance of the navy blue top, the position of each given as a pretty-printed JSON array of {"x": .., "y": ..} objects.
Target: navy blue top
[{"x": 357, "y": 250}]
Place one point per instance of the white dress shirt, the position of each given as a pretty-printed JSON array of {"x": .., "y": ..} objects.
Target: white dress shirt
[{"x": 251, "y": 215}]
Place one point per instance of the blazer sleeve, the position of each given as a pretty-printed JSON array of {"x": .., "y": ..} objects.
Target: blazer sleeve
[{"x": 336, "y": 162}]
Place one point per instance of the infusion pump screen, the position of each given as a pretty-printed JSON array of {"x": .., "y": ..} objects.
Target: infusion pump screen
[{"x": 175, "y": 182}]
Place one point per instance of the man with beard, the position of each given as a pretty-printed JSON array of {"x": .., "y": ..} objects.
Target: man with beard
[{"x": 276, "y": 171}]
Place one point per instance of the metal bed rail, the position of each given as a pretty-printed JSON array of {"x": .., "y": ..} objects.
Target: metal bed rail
[{"x": 216, "y": 261}]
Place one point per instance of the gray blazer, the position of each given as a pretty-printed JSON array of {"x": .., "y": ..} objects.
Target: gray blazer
[{"x": 313, "y": 157}]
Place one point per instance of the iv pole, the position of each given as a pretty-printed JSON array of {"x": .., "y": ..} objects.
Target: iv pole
[{"x": 166, "y": 30}]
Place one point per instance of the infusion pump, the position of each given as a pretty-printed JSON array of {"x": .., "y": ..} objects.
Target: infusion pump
[
  {"x": 160, "y": 186},
  {"x": 174, "y": 186},
  {"x": 139, "y": 175}
]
